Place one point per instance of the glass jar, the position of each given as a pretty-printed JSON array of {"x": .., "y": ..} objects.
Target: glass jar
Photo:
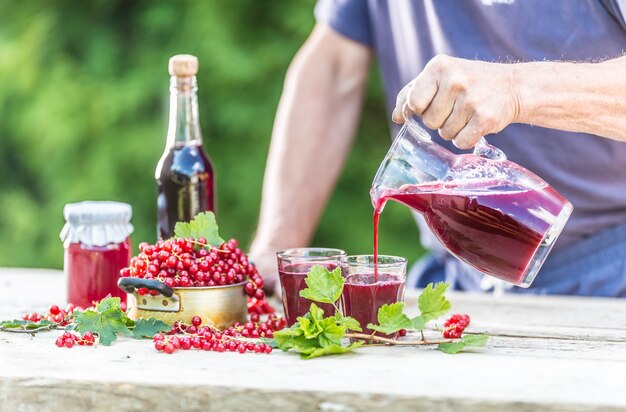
[{"x": 97, "y": 246}]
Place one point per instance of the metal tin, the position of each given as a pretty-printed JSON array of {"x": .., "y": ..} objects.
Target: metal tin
[{"x": 218, "y": 306}]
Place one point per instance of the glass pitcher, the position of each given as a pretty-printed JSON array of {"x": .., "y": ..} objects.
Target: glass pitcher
[{"x": 489, "y": 212}]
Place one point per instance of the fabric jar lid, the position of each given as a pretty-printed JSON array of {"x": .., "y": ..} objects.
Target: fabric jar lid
[{"x": 96, "y": 223}]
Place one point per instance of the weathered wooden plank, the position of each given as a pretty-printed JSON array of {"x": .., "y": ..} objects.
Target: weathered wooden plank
[
  {"x": 506, "y": 375},
  {"x": 535, "y": 371},
  {"x": 53, "y": 395}
]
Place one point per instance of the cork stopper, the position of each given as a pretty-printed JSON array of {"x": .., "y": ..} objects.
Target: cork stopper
[{"x": 183, "y": 65}]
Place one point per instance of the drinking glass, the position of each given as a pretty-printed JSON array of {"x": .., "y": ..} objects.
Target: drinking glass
[
  {"x": 370, "y": 285},
  {"x": 293, "y": 266}
]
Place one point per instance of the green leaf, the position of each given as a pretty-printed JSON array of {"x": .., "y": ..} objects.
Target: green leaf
[
  {"x": 418, "y": 323},
  {"x": 475, "y": 340},
  {"x": 313, "y": 334},
  {"x": 466, "y": 341},
  {"x": 106, "y": 323},
  {"x": 391, "y": 319},
  {"x": 323, "y": 286},
  {"x": 329, "y": 350},
  {"x": 293, "y": 338},
  {"x": 147, "y": 328},
  {"x": 349, "y": 323},
  {"x": 310, "y": 322},
  {"x": 108, "y": 303},
  {"x": 432, "y": 301},
  {"x": 24, "y": 324},
  {"x": 332, "y": 332},
  {"x": 203, "y": 225},
  {"x": 451, "y": 347}
]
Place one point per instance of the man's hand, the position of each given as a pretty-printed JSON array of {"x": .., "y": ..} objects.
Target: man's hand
[{"x": 464, "y": 99}]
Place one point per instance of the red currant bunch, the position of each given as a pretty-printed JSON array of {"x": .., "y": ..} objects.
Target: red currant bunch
[
  {"x": 69, "y": 339},
  {"x": 189, "y": 262},
  {"x": 238, "y": 338},
  {"x": 257, "y": 307},
  {"x": 455, "y": 325},
  {"x": 55, "y": 314}
]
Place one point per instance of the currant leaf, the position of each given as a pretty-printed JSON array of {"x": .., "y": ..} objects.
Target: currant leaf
[
  {"x": 23, "y": 324},
  {"x": 329, "y": 350},
  {"x": 391, "y": 319},
  {"x": 349, "y": 322},
  {"x": 203, "y": 225},
  {"x": 465, "y": 342},
  {"x": 107, "y": 320},
  {"x": 313, "y": 335},
  {"x": 432, "y": 301},
  {"x": 323, "y": 285},
  {"x": 147, "y": 328}
]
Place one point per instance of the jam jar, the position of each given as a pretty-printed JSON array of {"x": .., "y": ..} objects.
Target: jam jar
[{"x": 97, "y": 246}]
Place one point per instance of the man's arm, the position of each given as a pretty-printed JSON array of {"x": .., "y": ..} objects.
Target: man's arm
[
  {"x": 313, "y": 132},
  {"x": 467, "y": 99}
]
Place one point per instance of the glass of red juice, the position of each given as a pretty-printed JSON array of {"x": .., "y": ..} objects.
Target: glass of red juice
[
  {"x": 371, "y": 284},
  {"x": 293, "y": 266}
]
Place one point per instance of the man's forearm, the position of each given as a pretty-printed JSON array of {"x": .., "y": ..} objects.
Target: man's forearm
[
  {"x": 467, "y": 99},
  {"x": 578, "y": 97},
  {"x": 313, "y": 131}
]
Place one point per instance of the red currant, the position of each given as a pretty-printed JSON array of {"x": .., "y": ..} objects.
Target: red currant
[{"x": 169, "y": 348}]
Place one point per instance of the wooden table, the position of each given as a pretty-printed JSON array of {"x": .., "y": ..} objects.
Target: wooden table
[{"x": 547, "y": 353}]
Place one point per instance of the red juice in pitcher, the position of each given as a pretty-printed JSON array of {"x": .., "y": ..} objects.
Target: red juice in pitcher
[{"x": 495, "y": 226}]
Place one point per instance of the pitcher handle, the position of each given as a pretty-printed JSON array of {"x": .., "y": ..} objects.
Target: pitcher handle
[{"x": 484, "y": 149}]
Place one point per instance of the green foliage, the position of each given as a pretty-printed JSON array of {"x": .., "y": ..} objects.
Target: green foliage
[
  {"x": 83, "y": 101},
  {"x": 203, "y": 225},
  {"x": 323, "y": 285},
  {"x": 108, "y": 320},
  {"x": 313, "y": 335},
  {"x": 26, "y": 325},
  {"x": 432, "y": 301},
  {"x": 147, "y": 328},
  {"x": 432, "y": 304},
  {"x": 466, "y": 341},
  {"x": 391, "y": 319}
]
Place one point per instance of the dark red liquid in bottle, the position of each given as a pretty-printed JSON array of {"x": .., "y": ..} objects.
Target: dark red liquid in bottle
[
  {"x": 92, "y": 271},
  {"x": 493, "y": 226},
  {"x": 363, "y": 295},
  {"x": 292, "y": 282},
  {"x": 186, "y": 186}
]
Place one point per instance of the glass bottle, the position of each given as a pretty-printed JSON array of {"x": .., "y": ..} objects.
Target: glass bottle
[{"x": 184, "y": 175}]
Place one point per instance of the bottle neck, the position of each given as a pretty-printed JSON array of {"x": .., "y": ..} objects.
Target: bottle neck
[{"x": 184, "y": 126}]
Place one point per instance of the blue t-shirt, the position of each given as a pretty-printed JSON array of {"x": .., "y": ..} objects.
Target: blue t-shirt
[{"x": 405, "y": 34}]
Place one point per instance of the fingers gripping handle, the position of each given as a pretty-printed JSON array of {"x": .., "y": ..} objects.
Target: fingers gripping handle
[{"x": 482, "y": 148}]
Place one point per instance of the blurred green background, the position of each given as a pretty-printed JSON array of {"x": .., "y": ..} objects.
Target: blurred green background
[{"x": 83, "y": 112}]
